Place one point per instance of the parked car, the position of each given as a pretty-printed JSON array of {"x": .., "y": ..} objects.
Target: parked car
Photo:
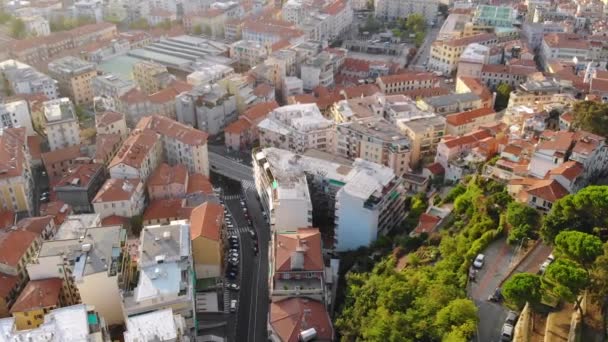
[
  {"x": 255, "y": 249},
  {"x": 507, "y": 332},
  {"x": 253, "y": 234},
  {"x": 233, "y": 305},
  {"x": 243, "y": 203},
  {"x": 511, "y": 318},
  {"x": 231, "y": 275},
  {"x": 546, "y": 263},
  {"x": 233, "y": 287},
  {"x": 233, "y": 261},
  {"x": 496, "y": 296},
  {"x": 479, "y": 259}
]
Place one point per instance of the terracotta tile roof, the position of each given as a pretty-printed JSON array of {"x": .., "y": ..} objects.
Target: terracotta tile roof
[
  {"x": 68, "y": 153},
  {"x": 33, "y": 144},
  {"x": 197, "y": 182},
  {"x": 598, "y": 85},
  {"x": 558, "y": 141},
  {"x": 567, "y": 117},
  {"x": 134, "y": 96},
  {"x": 170, "y": 92},
  {"x": 547, "y": 189},
  {"x": 206, "y": 220},
  {"x": 173, "y": 129},
  {"x": 280, "y": 45},
  {"x": 601, "y": 74},
  {"x": 569, "y": 170},
  {"x": 114, "y": 190},
  {"x": 12, "y": 152},
  {"x": 259, "y": 111},
  {"x": 237, "y": 127},
  {"x": 58, "y": 209},
  {"x": 356, "y": 65},
  {"x": 303, "y": 99},
  {"x": 436, "y": 169},
  {"x": 288, "y": 317},
  {"x": 38, "y": 294},
  {"x": 477, "y": 88},
  {"x": 518, "y": 70},
  {"x": 114, "y": 220},
  {"x": 135, "y": 149},
  {"x": 91, "y": 28},
  {"x": 165, "y": 174},
  {"x": 107, "y": 118},
  {"x": 262, "y": 90},
  {"x": 335, "y": 7},
  {"x": 409, "y": 77},
  {"x": 357, "y": 90},
  {"x": 586, "y": 142},
  {"x": 478, "y": 38},
  {"x": 284, "y": 30},
  {"x": 81, "y": 176},
  {"x": 7, "y": 219},
  {"x": 566, "y": 41},
  {"x": 467, "y": 117},
  {"x": 425, "y": 92},
  {"x": 470, "y": 138},
  {"x": 307, "y": 240},
  {"x": 13, "y": 246},
  {"x": 426, "y": 223},
  {"x": 36, "y": 225},
  {"x": 105, "y": 144},
  {"x": 7, "y": 284},
  {"x": 163, "y": 209}
]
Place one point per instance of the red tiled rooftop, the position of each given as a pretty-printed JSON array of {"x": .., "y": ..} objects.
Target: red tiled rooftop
[
  {"x": 288, "y": 317},
  {"x": 165, "y": 174},
  {"x": 7, "y": 284},
  {"x": 259, "y": 111},
  {"x": 569, "y": 170},
  {"x": 163, "y": 209},
  {"x": 237, "y": 127},
  {"x": 306, "y": 239},
  {"x": 463, "y": 118},
  {"x": 426, "y": 223},
  {"x": 38, "y": 294},
  {"x": 114, "y": 220},
  {"x": 13, "y": 246},
  {"x": 547, "y": 189},
  {"x": 197, "y": 182},
  {"x": 114, "y": 190},
  {"x": 206, "y": 220}
]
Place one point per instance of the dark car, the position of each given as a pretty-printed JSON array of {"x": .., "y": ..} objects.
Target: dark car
[
  {"x": 511, "y": 318},
  {"x": 253, "y": 234},
  {"x": 255, "y": 249},
  {"x": 496, "y": 296},
  {"x": 231, "y": 275}
]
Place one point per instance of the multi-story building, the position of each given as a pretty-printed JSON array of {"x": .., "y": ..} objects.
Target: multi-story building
[
  {"x": 111, "y": 123},
  {"x": 37, "y": 298},
  {"x": 271, "y": 32},
  {"x": 452, "y": 103},
  {"x": 533, "y": 93},
  {"x": 119, "y": 197},
  {"x": 74, "y": 77},
  {"x": 364, "y": 199},
  {"x": 495, "y": 16},
  {"x": 36, "y": 25},
  {"x": 151, "y": 325},
  {"x": 80, "y": 186},
  {"x": 296, "y": 265},
  {"x": 591, "y": 151},
  {"x": 164, "y": 273},
  {"x": 181, "y": 144},
  {"x": 535, "y": 32},
  {"x": 318, "y": 71},
  {"x": 494, "y": 74},
  {"x": 138, "y": 156},
  {"x": 209, "y": 74},
  {"x": 399, "y": 83},
  {"x": 61, "y": 124},
  {"x": 72, "y": 323},
  {"x": 151, "y": 77},
  {"x": 108, "y": 89},
  {"x": 208, "y": 108},
  {"x": 23, "y": 79},
  {"x": 18, "y": 247},
  {"x": 57, "y": 163},
  {"x": 290, "y": 320},
  {"x": 466, "y": 122},
  {"x": 394, "y": 9},
  {"x": 16, "y": 183},
  {"x": 92, "y": 268},
  {"x": 424, "y": 134},
  {"x": 241, "y": 87},
  {"x": 563, "y": 47},
  {"x": 207, "y": 234},
  {"x": 248, "y": 53},
  {"x": 90, "y": 9},
  {"x": 242, "y": 133},
  {"x": 16, "y": 114},
  {"x": 297, "y": 128},
  {"x": 374, "y": 139},
  {"x": 445, "y": 54}
]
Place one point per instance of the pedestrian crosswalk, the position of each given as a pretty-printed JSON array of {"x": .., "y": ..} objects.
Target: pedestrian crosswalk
[
  {"x": 248, "y": 185},
  {"x": 232, "y": 197},
  {"x": 239, "y": 230},
  {"x": 226, "y": 300}
]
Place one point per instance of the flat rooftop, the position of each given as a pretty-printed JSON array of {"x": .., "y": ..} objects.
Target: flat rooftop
[{"x": 121, "y": 66}]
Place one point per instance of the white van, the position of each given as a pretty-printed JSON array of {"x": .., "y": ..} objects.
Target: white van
[{"x": 233, "y": 305}]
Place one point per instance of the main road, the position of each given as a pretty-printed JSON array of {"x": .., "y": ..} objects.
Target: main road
[
  {"x": 422, "y": 56},
  {"x": 228, "y": 167}
]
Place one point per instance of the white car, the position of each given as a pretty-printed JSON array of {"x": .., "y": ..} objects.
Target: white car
[{"x": 479, "y": 259}]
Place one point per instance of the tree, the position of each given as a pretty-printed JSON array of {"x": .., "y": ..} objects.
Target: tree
[
  {"x": 599, "y": 275},
  {"x": 460, "y": 313},
  {"x": 139, "y": 24},
  {"x": 579, "y": 247},
  {"x": 591, "y": 116},
  {"x": 197, "y": 30},
  {"x": 523, "y": 221},
  {"x": 567, "y": 280},
  {"x": 18, "y": 30},
  {"x": 416, "y": 23},
  {"x": 503, "y": 92},
  {"x": 583, "y": 212},
  {"x": 522, "y": 288}
]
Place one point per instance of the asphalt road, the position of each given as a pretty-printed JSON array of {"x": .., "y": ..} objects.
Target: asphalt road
[
  {"x": 253, "y": 297},
  {"x": 499, "y": 256},
  {"x": 423, "y": 54},
  {"x": 229, "y": 167}
]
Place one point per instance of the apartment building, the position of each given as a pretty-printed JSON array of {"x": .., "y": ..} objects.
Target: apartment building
[
  {"x": 394, "y": 9},
  {"x": 494, "y": 74},
  {"x": 59, "y": 162},
  {"x": 92, "y": 268},
  {"x": 452, "y": 152},
  {"x": 23, "y": 79},
  {"x": 208, "y": 108},
  {"x": 242, "y": 133},
  {"x": 120, "y": 197},
  {"x": 151, "y": 77},
  {"x": 37, "y": 298},
  {"x": 135, "y": 104},
  {"x": 376, "y": 140},
  {"x": 466, "y": 122},
  {"x": 424, "y": 134},
  {"x": 207, "y": 235},
  {"x": 318, "y": 71},
  {"x": 248, "y": 53},
  {"x": 452, "y": 103},
  {"x": 591, "y": 151},
  {"x": 181, "y": 144},
  {"x": 18, "y": 247},
  {"x": 106, "y": 147},
  {"x": 111, "y": 123},
  {"x": 148, "y": 326},
  {"x": 399, "y": 83},
  {"x": 296, "y": 266},
  {"x": 445, "y": 54},
  {"x": 16, "y": 114},
  {"x": 108, "y": 89},
  {"x": 138, "y": 156},
  {"x": 16, "y": 183},
  {"x": 61, "y": 124},
  {"x": 534, "y": 93},
  {"x": 364, "y": 199},
  {"x": 165, "y": 271},
  {"x": 563, "y": 47},
  {"x": 36, "y": 25},
  {"x": 297, "y": 128},
  {"x": 84, "y": 323},
  {"x": 74, "y": 77},
  {"x": 209, "y": 74},
  {"x": 271, "y": 32},
  {"x": 168, "y": 182},
  {"x": 79, "y": 187}
]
